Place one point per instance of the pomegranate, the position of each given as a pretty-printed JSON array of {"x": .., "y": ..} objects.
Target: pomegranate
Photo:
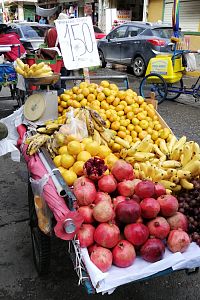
[
  {"x": 159, "y": 190},
  {"x": 177, "y": 221},
  {"x": 117, "y": 200},
  {"x": 150, "y": 208},
  {"x": 107, "y": 235},
  {"x": 79, "y": 180},
  {"x": 122, "y": 170},
  {"x": 168, "y": 205},
  {"x": 153, "y": 250},
  {"x": 145, "y": 189},
  {"x": 102, "y": 258},
  {"x": 128, "y": 211},
  {"x": 159, "y": 228},
  {"x": 91, "y": 248},
  {"x": 101, "y": 196},
  {"x": 136, "y": 198},
  {"x": 103, "y": 211},
  {"x": 86, "y": 235},
  {"x": 125, "y": 188},
  {"x": 94, "y": 168},
  {"x": 107, "y": 184},
  {"x": 178, "y": 241},
  {"x": 123, "y": 254},
  {"x": 137, "y": 233},
  {"x": 139, "y": 220},
  {"x": 86, "y": 213},
  {"x": 85, "y": 191}
]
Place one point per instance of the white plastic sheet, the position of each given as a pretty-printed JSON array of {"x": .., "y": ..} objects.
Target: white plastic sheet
[
  {"x": 107, "y": 282},
  {"x": 46, "y": 12}
]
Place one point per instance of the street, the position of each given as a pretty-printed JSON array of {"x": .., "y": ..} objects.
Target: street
[{"x": 18, "y": 278}]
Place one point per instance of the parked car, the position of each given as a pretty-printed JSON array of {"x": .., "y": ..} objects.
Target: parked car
[
  {"x": 133, "y": 44},
  {"x": 99, "y": 34},
  {"x": 31, "y": 33}
]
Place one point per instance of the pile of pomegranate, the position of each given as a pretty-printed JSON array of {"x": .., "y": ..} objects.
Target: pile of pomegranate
[{"x": 124, "y": 217}]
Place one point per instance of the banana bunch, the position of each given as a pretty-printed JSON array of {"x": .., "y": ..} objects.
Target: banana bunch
[
  {"x": 35, "y": 142},
  {"x": 173, "y": 163},
  {"x": 35, "y": 71},
  {"x": 48, "y": 128}
]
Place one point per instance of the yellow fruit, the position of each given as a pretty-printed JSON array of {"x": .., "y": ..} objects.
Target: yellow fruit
[
  {"x": 137, "y": 128},
  {"x": 164, "y": 133},
  {"x": 92, "y": 148},
  {"x": 135, "y": 121},
  {"x": 104, "y": 151},
  {"x": 83, "y": 84},
  {"x": 63, "y": 150},
  {"x": 91, "y": 97},
  {"x": 57, "y": 161},
  {"x": 142, "y": 134},
  {"x": 127, "y": 109},
  {"x": 86, "y": 140},
  {"x": 116, "y": 147},
  {"x": 129, "y": 100},
  {"x": 67, "y": 161},
  {"x": 78, "y": 167},
  {"x": 105, "y": 105},
  {"x": 121, "y": 95},
  {"x": 140, "y": 100},
  {"x": 144, "y": 124},
  {"x": 106, "y": 91},
  {"x": 122, "y": 128},
  {"x": 116, "y": 101},
  {"x": 130, "y": 115},
  {"x": 101, "y": 96},
  {"x": 83, "y": 102},
  {"x": 79, "y": 97},
  {"x": 154, "y": 135},
  {"x": 83, "y": 156},
  {"x": 121, "y": 134},
  {"x": 61, "y": 169},
  {"x": 149, "y": 130},
  {"x": 113, "y": 118},
  {"x": 105, "y": 83},
  {"x": 120, "y": 113},
  {"x": 133, "y": 134},
  {"x": 110, "y": 99},
  {"x": 141, "y": 116},
  {"x": 113, "y": 86},
  {"x": 74, "y": 147},
  {"x": 128, "y": 138},
  {"x": 119, "y": 107},
  {"x": 85, "y": 92},
  {"x": 107, "y": 123},
  {"x": 69, "y": 177},
  {"x": 115, "y": 125},
  {"x": 130, "y": 127},
  {"x": 60, "y": 109},
  {"x": 110, "y": 160}
]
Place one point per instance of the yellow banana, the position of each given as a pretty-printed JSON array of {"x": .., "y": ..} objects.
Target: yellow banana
[
  {"x": 144, "y": 144},
  {"x": 142, "y": 156},
  {"x": 171, "y": 164},
  {"x": 168, "y": 191},
  {"x": 144, "y": 168},
  {"x": 103, "y": 142},
  {"x": 171, "y": 143},
  {"x": 196, "y": 150},
  {"x": 177, "y": 188},
  {"x": 137, "y": 173},
  {"x": 163, "y": 158},
  {"x": 154, "y": 161},
  {"x": 163, "y": 147},
  {"x": 186, "y": 155},
  {"x": 123, "y": 153},
  {"x": 122, "y": 142},
  {"x": 107, "y": 135},
  {"x": 179, "y": 144},
  {"x": 174, "y": 179},
  {"x": 193, "y": 167},
  {"x": 157, "y": 150},
  {"x": 175, "y": 154},
  {"x": 20, "y": 63},
  {"x": 168, "y": 184},
  {"x": 20, "y": 71},
  {"x": 183, "y": 174},
  {"x": 137, "y": 166},
  {"x": 89, "y": 123},
  {"x": 133, "y": 149},
  {"x": 98, "y": 119},
  {"x": 96, "y": 137},
  {"x": 171, "y": 172},
  {"x": 186, "y": 184}
]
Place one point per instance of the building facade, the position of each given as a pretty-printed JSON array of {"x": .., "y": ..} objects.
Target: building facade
[{"x": 22, "y": 10}]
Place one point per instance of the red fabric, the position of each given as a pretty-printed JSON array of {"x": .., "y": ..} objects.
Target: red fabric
[
  {"x": 8, "y": 39},
  {"x": 51, "y": 37}
]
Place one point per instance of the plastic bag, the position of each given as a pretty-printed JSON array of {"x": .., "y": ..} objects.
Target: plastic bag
[
  {"x": 190, "y": 61},
  {"x": 75, "y": 127},
  {"x": 42, "y": 210}
]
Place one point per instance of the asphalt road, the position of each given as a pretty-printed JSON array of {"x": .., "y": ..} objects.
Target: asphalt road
[{"x": 18, "y": 278}]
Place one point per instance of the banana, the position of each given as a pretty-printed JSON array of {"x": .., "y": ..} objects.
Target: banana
[
  {"x": 171, "y": 164},
  {"x": 186, "y": 184},
  {"x": 193, "y": 167},
  {"x": 36, "y": 144},
  {"x": 137, "y": 166},
  {"x": 196, "y": 150},
  {"x": 98, "y": 119},
  {"x": 183, "y": 174},
  {"x": 142, "y": 156},
  {"x": 137, "y": 173},
  {"x": 171, "y": 143},
  {"x": 144, "y": 168},
  {"x": 171, "y": 172},
  {"x": 167, "y": 184},
  {"x": 163, "y": 147},
  {"x": 154, "y": 161},
  {"x": 98, "y": 127},
  {"x": 49, "y": 148},
  {"x": 20, "y": 71},
  {"x": 144, "y": 144},
  {"x": 177, "y": 188},
  {"x": 157, "y": 150},
  {"x": 130, "y": 160},
  {"x": 163, "y": 158},
  {"x": 107, "y": 135},
  {"x": 174, "y": 179},
  {"x": 133, "y": 149},
  {"x": 42, "y": 129},
  {"x": 31, "y": 138},
  {"x": 89, "y": 123},
  {"x": 103, "y": 142},
  {"x": 186, "y": 156},
  {"x": 96, "y": 137},
  {"x": 122, "y": 142},
  {"x": 123, "y": 153},
  {"x": 20, "y": 63},
  {"x": 179, "y": 144},
  {"x": 168, "y": 192},
  {"x": 175, "y": 154}
]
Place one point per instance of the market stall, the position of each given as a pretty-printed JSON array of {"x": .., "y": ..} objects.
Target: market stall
[{"x": 107, "y": 175}]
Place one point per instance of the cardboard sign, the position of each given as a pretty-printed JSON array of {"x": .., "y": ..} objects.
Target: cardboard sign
[
  {"x": 159, "y": 66},
  {"x": 77, "y": 43}
]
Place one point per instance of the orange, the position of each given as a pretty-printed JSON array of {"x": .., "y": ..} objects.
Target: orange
[
  {"x": 78, "y": 167},
  {"x": 133, "y": 134},
  {"x": 121, "y": 134},
  {"x": 116, "y": 101},
  {"x": 144, "y": 124},
  {"x": 67, "y": 161},
  {"x": 119, "y": 107},
  {"x": 83, "y": 156},
  {"x": 74, "y": 147},
  {"x": 63, "y": 150},
  {"x": 57, "y": 160},
  {"x": 62, "y": 170},
  {"x": 113, "y": 86},
  {"x": 137, "y": 128},
  {"x": 105, "y": 83},
  {"x": 91, "y": 97},
  {"x": 92, "y": 148},
  {"x": 129, "y": 100},
  {"x": 135, "y": 121},
  {"x": 75, "y": 89},
  {"x": 121, "y": 95},
  {"x": 110, "y": 99},
  {"x": 101, "y": 96},
  {"x": 142, "y": 134},
  {"x": 154, "y": 135},
  {"x": 69, "y": 177},
  {"x": 115, "y": 125},
  {"x": 130, "y": 115},
  {"x": 104, "y": 151},
  {"x": 60, "y": 109},
  {"x": 127, "y": 109},
  {"x": 130, "y": 127},
  {"x": 106, "y": 91},
  {"x": 83, "y": 84}
]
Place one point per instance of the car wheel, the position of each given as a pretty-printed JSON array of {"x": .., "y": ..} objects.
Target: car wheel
[
  {"x": 102, "y": 60},
  {"x": 138, "y": 66}
]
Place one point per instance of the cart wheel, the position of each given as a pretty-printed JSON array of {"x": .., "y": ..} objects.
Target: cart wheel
[
  {"x": 102, "y": 59},
  {"x": 41, "y": 243},
  {"x": 153, "y": 83},
  {"x": 172, "y": 88}
]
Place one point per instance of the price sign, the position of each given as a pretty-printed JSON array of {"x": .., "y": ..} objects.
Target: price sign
[{"x": 77, "y": 43}]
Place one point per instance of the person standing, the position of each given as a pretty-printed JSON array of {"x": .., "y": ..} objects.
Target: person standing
[{"x": 42, "y": 20}]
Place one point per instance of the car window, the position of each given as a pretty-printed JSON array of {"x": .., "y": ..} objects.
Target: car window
[
  {"x": 133, "y": 31},
  {"x": 33, "y": 31},
  {"x": 165, "y": 33},
  {"x": 118, "y": 33}
]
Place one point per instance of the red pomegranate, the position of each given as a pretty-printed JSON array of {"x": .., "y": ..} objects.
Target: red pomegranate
[
  {"x": 123, "y": 254},
  {"x": 159, "y": 228},
  {"x": 137, "y": 233},
  {"x": 107, "y": 235},
  {"x": 128, "y": 211},
  {"x": 91, "y": 248},
  {"x": 159, "y": 190},
  {"x": 178, "y": 241},
  {"x": 85, "y": 191},
  {"x": 150, "y": 208},
  {"x": 86, "y": 235},
  {"x": 102, "y": 258},
  {"x": 122, "y": 170},
  {"x": 103, "y": 211},
  {"x": 178, "y": 221},
  {"x": 153, "y": 250},
  {"x": 145, "y": 189},
  {"x": 107, "y": 184},
  {"x": 86, "y": 212},
  {"x": 125, "y": 188},
  {"x": 94, "y": 168},
  {"x": 117, "y": 200},
  {"x": 135, "y": 198},
  {"x": 102, "y": 196},
  {"x": 168, "y": 205}
]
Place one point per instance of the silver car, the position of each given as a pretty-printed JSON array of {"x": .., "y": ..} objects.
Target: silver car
[
  {"x": 133, "y": 44},
  {"x": 31, "y": 33}
]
